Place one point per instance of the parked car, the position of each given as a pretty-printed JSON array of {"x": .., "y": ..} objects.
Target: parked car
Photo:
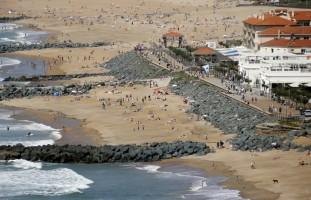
[{"x": 307, "y": 113}]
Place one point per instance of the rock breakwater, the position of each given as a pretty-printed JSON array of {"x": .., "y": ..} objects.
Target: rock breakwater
[
  {"x": 12, "y": 47},
  {"x": 131, "y": 66},
  {"x": 104, "y": 154},
  {"x": 224, "y": 112},
  {"x": 4, "y": 19},
  {"x": 11, "y": 91},
  {"x": 52, "y": 77}
]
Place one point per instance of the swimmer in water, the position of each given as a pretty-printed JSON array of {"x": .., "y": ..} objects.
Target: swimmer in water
[
  {"x": 29, "y": 134},
  {"x": 8, "y": 128}
]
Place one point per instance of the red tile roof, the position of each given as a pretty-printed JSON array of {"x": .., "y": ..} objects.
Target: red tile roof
[
  {"x": 268, "y": 20},
  {"x": 203, "y": 51},
  {"x": 302, "y": 15},
  {"x": 287, "y": 43},
  {"x": 287, "y": 30},
  {"x": 172, "y": 34}
]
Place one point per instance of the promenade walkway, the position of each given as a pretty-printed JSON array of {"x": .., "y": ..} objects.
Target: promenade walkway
[{"x": 261, "y": 103}]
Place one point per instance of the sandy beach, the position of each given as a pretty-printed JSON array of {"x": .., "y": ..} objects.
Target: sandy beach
[
  {"x": 122, "y": 21},
  {"x": 175, "y": 124},
  {"x": 144, "y": 116}
]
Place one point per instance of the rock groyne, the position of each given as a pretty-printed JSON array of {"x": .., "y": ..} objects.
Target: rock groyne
[
  {"x": 104, "y": 154},
  {"x": 52, "y": 77},
  {"x": 12, "y": 47},
  {"x": 11, "y": 91},
  {"x": 4, "y": 19}
]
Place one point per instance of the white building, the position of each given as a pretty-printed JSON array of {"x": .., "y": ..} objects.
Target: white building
[{"x": 265, "y": 69}]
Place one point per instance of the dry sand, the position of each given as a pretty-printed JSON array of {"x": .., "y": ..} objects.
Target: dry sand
[
  {"x": 125, "y": 23},
  {"x": 162, "y": 117},
  {"x": 133, "y": 21},
  {"x": 114, "y": 126}
]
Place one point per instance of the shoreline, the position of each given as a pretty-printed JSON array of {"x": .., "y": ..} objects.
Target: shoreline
[
  {"x": 247, "y": 189},
  {"x": 49, "y": 68},
  {"x": 254, "y": 184},
  {"x": 73, "y": 131}
]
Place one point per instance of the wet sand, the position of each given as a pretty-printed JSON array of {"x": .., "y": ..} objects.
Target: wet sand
[
  {"x": 73, "y": 131},
  {"x": 247, "y": 189}
]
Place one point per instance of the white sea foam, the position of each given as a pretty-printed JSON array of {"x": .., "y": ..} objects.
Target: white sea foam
[
  {"x": 27, "y": 126},
  {"x": 150, "y": 168},
  {"x": 32, "y": 126},
  {"x": 21, "y": 34},
  {"x": 5, "y": 114},
  {"x": 8, "y": 61},
  {"x": 8, "y": 26},
  {"x": 24, "y": 164},
  {"x": 7, "y": 39},
  {"x": 28, "y": 143},
  {"x": 36, "y": 181},
  {"x": 56, "y": 135},
  {"x": 198, "y": 185},
  {"x": 201, "y": 186}
]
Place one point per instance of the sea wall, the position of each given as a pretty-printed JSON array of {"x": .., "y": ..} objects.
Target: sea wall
[
  {"x": 104, "y": 154},
  {"x": 12, "y": 47}
]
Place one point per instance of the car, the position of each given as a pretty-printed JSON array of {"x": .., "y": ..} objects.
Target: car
[{"x": 307, "y": 113}]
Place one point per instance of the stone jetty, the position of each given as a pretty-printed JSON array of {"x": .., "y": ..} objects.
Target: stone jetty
[
  {"x": 12, "y": 47},
  {"x": 104, "y": 154},
  {"x": 4, "y": 19},
  {"x": 52, "y": 77},
  {"x": 11, "y": 91}
]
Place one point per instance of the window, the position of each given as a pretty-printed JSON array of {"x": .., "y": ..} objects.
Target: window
[
  {"x": 303, "y": 51},
  {"x": 272, "y": 50},
  {"x": 306, "y": 38}
]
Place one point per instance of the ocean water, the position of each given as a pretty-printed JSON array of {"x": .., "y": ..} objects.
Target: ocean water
[
  {"x": 15, "y": 33},
  {"x": 25, "y": 180},
  {"x": 20, "y": 66},
  {"x": 25, "y": 132}
]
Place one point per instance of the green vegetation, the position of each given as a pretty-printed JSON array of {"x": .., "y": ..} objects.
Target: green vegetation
[
  {"x": 300, "y": 94},
  {"x": 296, "y": 3},
  {"x": 182, "y": 52},
  {"x": 227, "y": 67},
  {"x": 230, "y": 43},
  {"x": 291, "y": 123},
  {"x": 182, "y": 76}
]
